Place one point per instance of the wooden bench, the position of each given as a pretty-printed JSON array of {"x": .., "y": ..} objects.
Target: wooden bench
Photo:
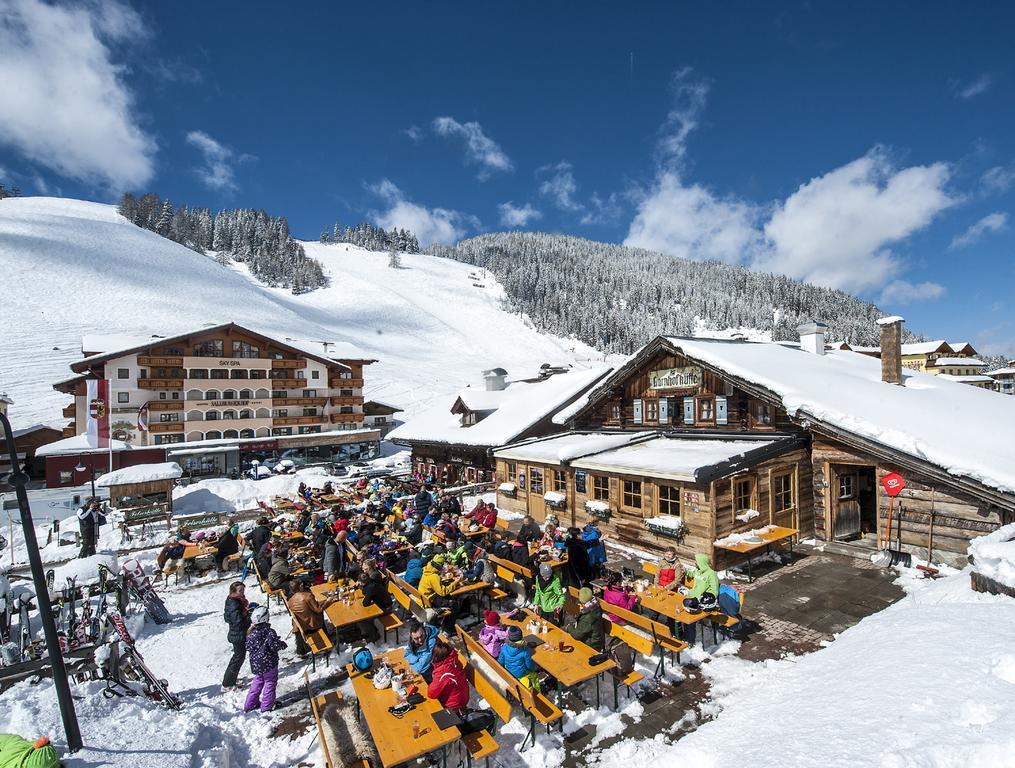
[
  {"x": 390, "y": 622},
  {"x": 317, "y": 704},
  {"x": 481, "y": 745},
  {"x": 413, "y": 593},
  {"x": 659, "y": 633},
  {"x": 396, "y": 586},
  {"x": 318, "y": 641},
  {"x": 268, "y": 590},
  {"x": 502, "y": 523},
  {"x": 652, "y": 569},
  {"x": 638, "y": 643},
  {"x": 539, "y": 708}
]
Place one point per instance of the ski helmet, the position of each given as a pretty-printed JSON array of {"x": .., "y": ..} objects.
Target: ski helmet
[{"x": 362, "y": 659}]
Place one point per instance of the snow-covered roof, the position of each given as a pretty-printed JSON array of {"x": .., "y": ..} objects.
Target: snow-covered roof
[
  {"x": 962, "y": 346},
  {"x": 926, "y": 347},
  {"x": 1001, "y": 372},
  {"x": 891, "y": 319},
  {"x": 141, "y": 473},
  {"x": 969, "y": 362},
  {"x": 962, "y": 429},
  {"x": 34, "y": 428},
  {"x": 521, "y": 406},
  {"x": 481, "y": 399},
  {"x": 967, "y": 379},
  {"x": 670, "y": 458},
  {"x": 78, "y": 444},
  {"x": 383, "y": 404},
  {"x": 5, "y": 398},
  {"x": 99, "y": 343},
  {"x": 563, "y": 448}
]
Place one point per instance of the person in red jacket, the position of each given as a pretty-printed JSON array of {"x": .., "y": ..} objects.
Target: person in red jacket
[
  {"x": 671, "y": 572},
  {"x": 477, "y": 511},
  {"x": 449, "y": 686},
  {"x": 488, "y": 518}
]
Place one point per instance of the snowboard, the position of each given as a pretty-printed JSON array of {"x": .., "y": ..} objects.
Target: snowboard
[{"x": 141, "y": 589}]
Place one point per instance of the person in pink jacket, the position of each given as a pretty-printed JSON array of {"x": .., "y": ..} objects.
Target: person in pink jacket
[
  {"x": 493, "y": 635},
  {"x": 616, "y": 594}
]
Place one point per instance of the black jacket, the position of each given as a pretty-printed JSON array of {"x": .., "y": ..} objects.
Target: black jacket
[
  {"x": 521, "y": 556},
  {"x": 258, "y": 538},
  {"x": 227, "y": 545},
  {"x": 577, "y": 570},
  {"x": 422, "y": 503},
  {"x": 530, "y": 532},
  {"x": 375, "y": 592},
  {"x": 237, "y": 618}
]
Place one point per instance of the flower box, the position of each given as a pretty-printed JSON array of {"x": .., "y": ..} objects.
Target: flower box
[
  {"x": 599, "y": 509},
  {"x": 667, "y": 526},
  {"x": 555, "y": 499},
  {"x": 508, "y": 489}
]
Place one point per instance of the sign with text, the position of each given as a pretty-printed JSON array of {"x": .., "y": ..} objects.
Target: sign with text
[
  {"x": 689, "y": 377},
  {"x": 893, "y": 483}
]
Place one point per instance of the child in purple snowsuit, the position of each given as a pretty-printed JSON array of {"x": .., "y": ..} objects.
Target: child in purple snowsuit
[{"x": 263, "y": 645}]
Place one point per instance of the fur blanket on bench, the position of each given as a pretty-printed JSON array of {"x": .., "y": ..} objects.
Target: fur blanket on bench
[{"x": 347, "y": 739}]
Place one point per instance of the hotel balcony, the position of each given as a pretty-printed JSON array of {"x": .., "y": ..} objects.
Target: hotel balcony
[
  {"x": 304, "y": 401},
  {"x": 337, "y": 383},
  {"x": 164, "y": 427},
  {"x": 287, "y": 364},
  {"x": 147, "y": 361},
  {"x": 288, "y": 383},
  {"x": 346, "y": 418},
  {"x": 160, "y": 383},
  {"x": 165, "y": 405},
  {"x": 347, "y": 400},
  {"x": 70, "y": 411},
  {"x": 293, "y": 421}
]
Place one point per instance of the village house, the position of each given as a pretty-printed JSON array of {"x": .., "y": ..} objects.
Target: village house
[
  {"x": 452, "y": 441},
  {"x": 1004, "y": 379},
  {"x": 693, "y": 440},
  {"x": 965, "y": 370}
]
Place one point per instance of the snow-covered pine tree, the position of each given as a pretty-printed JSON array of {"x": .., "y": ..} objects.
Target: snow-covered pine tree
[{"x": 394, "y": 259}]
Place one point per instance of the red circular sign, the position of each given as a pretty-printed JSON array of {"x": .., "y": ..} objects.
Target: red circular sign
[{"x": 893, "y": 483}]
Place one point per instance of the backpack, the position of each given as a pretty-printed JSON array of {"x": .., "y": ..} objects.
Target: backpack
[
  {"x": 621, "y": 653},
  {"x": 476, "y": 720},
  {"x": 362, "y": 659}
]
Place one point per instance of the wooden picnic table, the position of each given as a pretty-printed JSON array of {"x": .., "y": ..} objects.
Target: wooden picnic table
[
  {"x": 342, "y": 614},
  {"x": 330, "y": 499},
  {"x": 570, "y": 667},
  {"x": 558, "y": 557},
  {"x": 670, "y": 603},
  {"x": 197, "y": 550},
  {"x": 773, "y": 535},
  {"x": 393, "y": 736}
]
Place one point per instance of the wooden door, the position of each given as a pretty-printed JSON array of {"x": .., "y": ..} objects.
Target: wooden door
[{"x": 846, "y": 503}]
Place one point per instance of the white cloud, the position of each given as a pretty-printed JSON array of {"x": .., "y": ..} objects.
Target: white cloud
[
  {"x": 602, "y": 210},
  {"x": 998, "y": 179},
  {"x": 430, "y": 225},
  {"x": 905, "y": 292},
  {"x": 479, "y": 148},
  {"x": 218, "y": 171},
  {"x": 515, "y": 216},
  {"x": 835, "y": 229},
  {"x": 689, "y": 96},
  {"x": 973, "y": 88},
  {"x": 560, "y": 186},
  {"x": 692, "y": 223},
  {"x": 992, "y": 222},
  {"x": 63, "y": 101},
  {"x": 414, "y": 132}
]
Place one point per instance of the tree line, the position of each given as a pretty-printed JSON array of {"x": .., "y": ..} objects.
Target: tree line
[
  {"x": 616, "y": 298},
  {"x": 372, "y": 238},
  {"x": 260, "y": 241}
]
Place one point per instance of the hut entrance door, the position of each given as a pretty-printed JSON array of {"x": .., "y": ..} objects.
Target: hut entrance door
[{"x": 854, "y": 504}]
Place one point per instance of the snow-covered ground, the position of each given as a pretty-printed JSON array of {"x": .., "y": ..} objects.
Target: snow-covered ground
[{"x": 76, "y": 267}]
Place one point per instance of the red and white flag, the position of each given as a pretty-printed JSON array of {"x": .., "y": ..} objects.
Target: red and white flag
[
  {"x": 97, "y": 425},
  {"x": 142, "y": 418}
]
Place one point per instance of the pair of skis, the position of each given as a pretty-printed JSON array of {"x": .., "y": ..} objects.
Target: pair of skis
[{"x": 153, "y": 687}]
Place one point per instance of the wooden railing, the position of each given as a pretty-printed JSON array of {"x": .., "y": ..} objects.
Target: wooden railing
[
  {"x": 287, "y": 364},
  {"x": 347, "y": 400},
  {"x": 346, "y": 418},
  {"x": 337, "y": 383},
  {"x": 293, "y": 421},
  {"x": 167, "y": 426},
  {"x": 164, "y": 362},
  {"x": 165, "y": 405},
  {"x": 160, "y": 383},
  {"x": 306, "y": 401}
]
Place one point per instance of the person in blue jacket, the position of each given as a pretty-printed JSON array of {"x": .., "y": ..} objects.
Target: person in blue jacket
[
  {"x": 413, "y": 568},
  {"x": 516, "y": 657},
  {"x": 419, "y": 654}
]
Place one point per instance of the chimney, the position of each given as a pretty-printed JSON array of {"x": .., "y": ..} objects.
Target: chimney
[
  {"x": 496, "y": 379},
  {"x": 812, "y": 337},
  {"x": 891, "y": 349}
]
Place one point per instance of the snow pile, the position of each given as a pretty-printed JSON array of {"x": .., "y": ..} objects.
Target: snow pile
[
  {"x": 429, "y": 327},
  {"x": 566, "y": 447},
  {"x": 675, "y": 458},
  {"x": 507, "y": 487},
  {"x": 141, "y": 473},
  {"x": 597, "y": 506},
  {"x": 552, "y": 497},
  {"x": 750, "y": 537},
  {"x": 890, "y": 692},
  {"x": 672, "y": 522},
  {"x": 747, "y": 515},
  {"x": 222, "y": 495},
  {"x": 994, "y": 555},
  {"x": 84, "y": 570}
]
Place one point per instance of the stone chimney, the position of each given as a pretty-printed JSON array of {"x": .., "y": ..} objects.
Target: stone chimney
[
  {"x": 812, "y": 337},
  {"x": 891, "y": 349},
  {"x": 496, "y": 379}
]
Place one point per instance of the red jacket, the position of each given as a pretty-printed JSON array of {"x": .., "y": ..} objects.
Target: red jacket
[
  {"x": 341, "y": 524},
  {"x": 450, "y": 686},
  {"x": 666, "y": 575},
  {"x": 488, "y": 519}
]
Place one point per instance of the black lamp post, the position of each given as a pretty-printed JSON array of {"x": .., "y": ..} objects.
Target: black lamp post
[
  {"x": 19, "y": 479},
  {"x": 91, "y": 465}
]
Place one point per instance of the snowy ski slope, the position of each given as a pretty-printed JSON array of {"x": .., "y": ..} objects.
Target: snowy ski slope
[{"x": 72, "y": 267}]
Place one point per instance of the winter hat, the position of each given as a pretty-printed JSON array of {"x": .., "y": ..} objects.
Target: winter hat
[
  {"x": 545, "y": 570},
  {"x": 584, "y": 595},
  {"x": 260, "y": 616},
  {"x": 234, "y": 529},
  {"x": 514, "y": 634},
  {"x": 492, "y": 618}
]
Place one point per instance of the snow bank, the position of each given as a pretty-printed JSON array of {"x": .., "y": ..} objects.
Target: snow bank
[
  {"x": 222, "y": 495},
  {"x": 141, "y": 473},
  {"x": 84, "y": 570},
  {"x": 597, "y": 506},
  {"x": 552, "y": 497},
  {"x": 671, "y": 522},
  {"x": 994, "y": 555},
  {"x": 752, "y": 536},
  {"x": 890, "y": 692}
]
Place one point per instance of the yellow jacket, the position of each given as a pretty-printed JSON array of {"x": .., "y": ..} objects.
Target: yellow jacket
[{"x": 430, "y": 584}]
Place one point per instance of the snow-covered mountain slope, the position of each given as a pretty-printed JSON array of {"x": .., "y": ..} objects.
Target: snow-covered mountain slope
[{"x": 71, "y": 267}]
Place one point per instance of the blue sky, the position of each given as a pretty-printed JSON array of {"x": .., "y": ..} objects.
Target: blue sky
[{"x": 869, "y": 147}]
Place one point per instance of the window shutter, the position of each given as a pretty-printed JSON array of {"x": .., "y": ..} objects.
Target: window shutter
[
  {"x": 664, "y": 410},
  {"x": 720, "y": 410},
  {"x": 637, "y": 411},
  {"x": 688, "y": 410}
]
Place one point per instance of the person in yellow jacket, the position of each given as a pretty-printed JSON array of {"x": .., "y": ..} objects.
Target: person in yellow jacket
[
  {"x": 16, "y": 752},
  {"x": 434, "y": 590}
]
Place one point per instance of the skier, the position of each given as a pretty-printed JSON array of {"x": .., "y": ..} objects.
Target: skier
[
  {"x": 237, "y": 616},
  {"x": 263, "y": 645},
  {"x": 90, "y": 517}
]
